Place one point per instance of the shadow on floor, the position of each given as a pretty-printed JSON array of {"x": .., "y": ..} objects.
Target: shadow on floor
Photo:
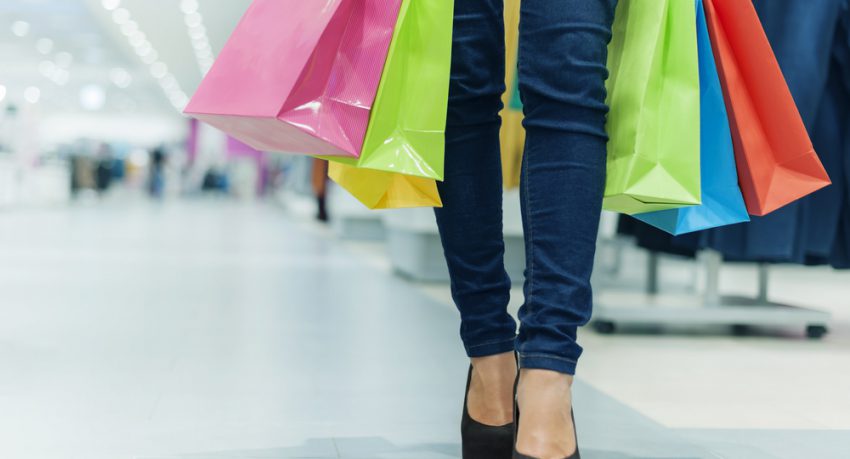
[
  {"x": 348, "y": 448},
  {"x": 373, "y": 448}
]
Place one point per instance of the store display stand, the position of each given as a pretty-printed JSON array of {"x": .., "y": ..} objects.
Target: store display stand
[{"x": 651, "y": 307}]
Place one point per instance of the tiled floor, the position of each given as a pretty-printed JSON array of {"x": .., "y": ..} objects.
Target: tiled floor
[{"x": 215, "y": 330}]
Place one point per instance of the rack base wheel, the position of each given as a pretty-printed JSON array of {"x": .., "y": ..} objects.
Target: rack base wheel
[
  {"x": 605, "y": 327},
  {"x": 816, "y": 331}
]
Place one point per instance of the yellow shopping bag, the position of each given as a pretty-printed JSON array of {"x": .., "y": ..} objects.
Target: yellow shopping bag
[
  {"x": 386, "y": 190},
  {"x": 512, "y": 134}
]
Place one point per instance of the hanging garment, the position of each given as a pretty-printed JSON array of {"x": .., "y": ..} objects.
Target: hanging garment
[
  {"x": 840, "y": 255},
  {"x": 821, "y": 212},
  {"x": 802, "y": 34}
]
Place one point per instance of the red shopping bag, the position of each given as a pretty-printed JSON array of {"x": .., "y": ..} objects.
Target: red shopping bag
[
  {"x": 777, "y": 163},
  {"x": 300, "y": 76}
]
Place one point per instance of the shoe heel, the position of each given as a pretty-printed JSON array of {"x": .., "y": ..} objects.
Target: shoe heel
[{"x": 481, "y": 441}]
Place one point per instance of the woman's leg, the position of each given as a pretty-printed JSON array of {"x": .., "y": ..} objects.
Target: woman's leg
[
  {"x": 471, "y": 220},
  {"x": 562, "y": 72}
]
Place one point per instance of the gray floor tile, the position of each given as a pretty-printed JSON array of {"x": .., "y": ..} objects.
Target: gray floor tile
[
  {"x": 216, "y": 331},
  {"x": 774, "y": 444}
]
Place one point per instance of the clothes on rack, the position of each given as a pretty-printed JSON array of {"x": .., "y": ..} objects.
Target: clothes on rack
[{"x": 811, "y": 40}]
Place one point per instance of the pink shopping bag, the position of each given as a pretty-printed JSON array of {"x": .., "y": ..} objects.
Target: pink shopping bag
[{"x": 300, "y": 76}]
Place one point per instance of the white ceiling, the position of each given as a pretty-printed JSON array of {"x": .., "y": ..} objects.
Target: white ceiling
[{"x": 102, "y": 54}]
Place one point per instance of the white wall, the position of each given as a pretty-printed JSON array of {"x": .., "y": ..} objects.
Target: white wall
[{"x": 143, "y": 130}]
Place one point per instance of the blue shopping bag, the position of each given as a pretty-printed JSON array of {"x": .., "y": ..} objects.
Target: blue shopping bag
[{"x": 722, "y": 201}]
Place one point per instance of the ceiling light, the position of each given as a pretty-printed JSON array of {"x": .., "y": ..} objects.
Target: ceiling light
[
  {"x": 169, "y": 83},
  {"x": 197, "y": 34},
  {"x": 120, "y": 77},
  {"x": 60, "y": 76},
  {"x": 144, "y": 49},
  {"x": 2, "y": 92},
  {"x": 32, "y": 94},
  {"x": 44, "y": 45},
  {"x": 189, "y": 6},
  {"x": 146, "y": 52},
  {"x": 193, "y": 20},
  {"x": 129, "y": 28},
  {"x": 92, "y": 97},
  {"x": 21, "y": 28},
  {"x": 47, "y": 68},
  {"x": 121, "y": 16},
  {"x": 159, "y": 70},
  {"x": 150, "y": 57},
  {"x": 137, "y": 39},
  {"x": 110, "y": 4}
]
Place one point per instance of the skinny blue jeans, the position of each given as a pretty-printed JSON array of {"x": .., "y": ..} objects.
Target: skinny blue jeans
[{"x": 562, "y": 73}]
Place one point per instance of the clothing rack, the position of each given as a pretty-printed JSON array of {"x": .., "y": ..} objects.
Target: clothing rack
[{"x": 710, "y": 308}]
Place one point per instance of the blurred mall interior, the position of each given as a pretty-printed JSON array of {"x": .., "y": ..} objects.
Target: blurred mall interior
[{"x": 168, "y": 292}]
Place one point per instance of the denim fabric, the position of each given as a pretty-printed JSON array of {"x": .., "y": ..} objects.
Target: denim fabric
[{"x": 562, "y": 72}]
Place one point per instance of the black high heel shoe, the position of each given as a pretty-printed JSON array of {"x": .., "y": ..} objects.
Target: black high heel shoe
[
  {"x": 517, "y": 455},
  {"x": 481, "y": 441}
]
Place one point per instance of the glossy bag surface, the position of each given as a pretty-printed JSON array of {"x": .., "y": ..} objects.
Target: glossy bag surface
[
  {"x": 777, "y": 163},
  {"x": 722, "y": 202},
  {"x": 654, "y": 95},
  {"x": 300, "y": 76},
  {"x": 407, "y": 129},
  {"x": 404, "y": 151},
  {"x": 385, "y": 190}
]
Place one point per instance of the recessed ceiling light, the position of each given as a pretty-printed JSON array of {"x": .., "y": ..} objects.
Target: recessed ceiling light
[
  {"x": 193, "y": 20},
  {"x": 129, "y": 28},
  {"x": 47, "y": 68},
  {"x": 159, "y": 70},
  {"x": 64, "y": 59},
  {"x": 189, "y": 6},
  {"x": 92, "y": 97},
  {"x": 44, "y": 45},
  {"x": 32, "y": 94},
  {"x": 110, "y": 4},
  {"x": 21, "y": 28},
  {"x": 150, "y": 57},
  {"x": 61, "y": 76},
  {"x": 121, "y": 16},
  {"x": 146, "y": 52},
  {"x": 120, "y": 77}
]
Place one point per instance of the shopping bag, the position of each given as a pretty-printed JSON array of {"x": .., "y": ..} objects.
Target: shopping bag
[
  {"x": 406, "y": 132},
  {"x": 654, "y": 93},
  {"x": 386, "y": 190},
  {"x": 722, "y": 202},
  {"x": 512, "y": 133},
  {"x": 777, "y": 163},
  {"x": 300, "y": 76}
]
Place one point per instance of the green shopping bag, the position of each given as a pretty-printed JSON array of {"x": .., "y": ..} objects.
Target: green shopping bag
[
  {"x": 654, "y": 95},
  {"x": 406, "y": 132}
]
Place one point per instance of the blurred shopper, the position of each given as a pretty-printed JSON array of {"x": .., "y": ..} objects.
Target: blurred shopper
[
  {"x": 563, "y": 181},
  {"x": 156, "y": 180},
  {"x": 215, "y": 181},
  {"x": 320, "y": 188},
  {"x": 82, "y": 174},
  {"x": 104, "y": 170}
]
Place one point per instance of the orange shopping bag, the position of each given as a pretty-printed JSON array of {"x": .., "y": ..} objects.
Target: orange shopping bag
[{"x": 777, "y": 163}]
